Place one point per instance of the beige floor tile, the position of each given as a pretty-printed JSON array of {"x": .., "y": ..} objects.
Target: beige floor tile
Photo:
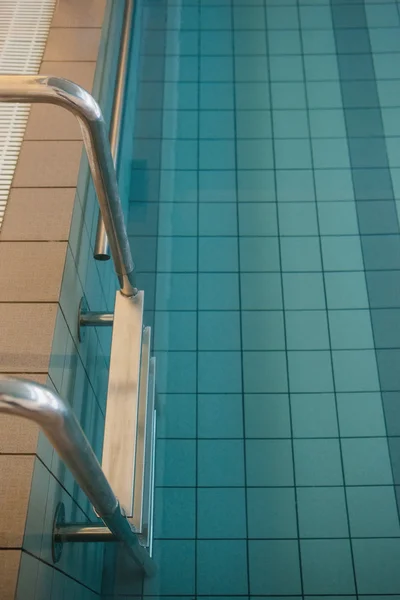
[
  {"x": 48, "y": 164},
  {"x": 72, "y": 44},
  {"x": 75, "y": 13},
  {"x": 38, "y": 214},
  {"x": 26, "y": 334},
  {"x": 9, "y": 566},
  {"x": 16, "y": 471}
]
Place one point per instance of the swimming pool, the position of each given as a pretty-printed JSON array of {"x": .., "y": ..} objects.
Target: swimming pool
[{"x": 264, "y": 226}]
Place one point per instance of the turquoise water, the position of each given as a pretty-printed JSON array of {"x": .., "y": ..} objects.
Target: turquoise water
[{"x": 264, "y": 226}]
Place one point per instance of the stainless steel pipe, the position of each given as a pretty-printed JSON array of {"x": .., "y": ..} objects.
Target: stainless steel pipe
[
  {"x": 38, "y": 403},
  {"x": 64, "y": 93},
  {"x": 96, "y": 319},
  {"x": 101, "y": 248}
]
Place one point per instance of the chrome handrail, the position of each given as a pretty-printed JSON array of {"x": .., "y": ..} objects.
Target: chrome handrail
[
  {"x": 68, "y": 95},
  {"x": 38, "y": 403},
  {"x": 101, "y": 247}
]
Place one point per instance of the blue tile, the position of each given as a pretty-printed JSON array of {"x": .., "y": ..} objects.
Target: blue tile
[
  {"x": 183, "y": 43},
  {"x": 290, "y": 124},
  {"x": 182, "y": 17},
  {"x": 218, "y": 509},
  {"x": 179, "y": 124},
  {"x": 356, "y": 66},
  {"x": 176, "y": 291},
  {"x": 145, "y": 253},
  {"x": 217, "y": 186},
  {"x": 256, "y": 186},
  {"x": 351, "y": 406},
  {"x": 176, "y": 372},
  {"x": 271, "y": 513},
  {"x": 259, "y": 254},
  {"x": 146, "y": 154},
  {"x": 255, "y": 154},
  {"x": 248, "y": 17},
  {"x": 218, "y": 254},
  {"x": 219, "y": 330},
  {"x": 181, "y": 68},
  {"x": 330, "y": 153},
  {"x": 288, "y": 95},
  {"x": 177, "y": 416},
  {"x": 333, "y": 184},
  {"x": 215, "y": 17},
  {"x": 292, "y": 154},
  {"x": 295, "y": 185},
  {"x": 216, "y": 96},
  {"x": 384, "y": 40},
  {"x": 258, "y": 219},
  {"x": 220, "y": 463},
  {"x": 317, "y": 462},
  {"x": 251, "y": 68},
  {"x": 253, "y": 124},
  {"x": 261, "y": 291},
  {"x": 327, "y": 567},
  {"x": 217, "y": 124},
  {"x": 249, "y": 42},
  {"x": 350, "y": 329},
  {"x": 216, "y": 68},
  {"x": 282, "y": 17},
  {"x": 274, "y": 567},
  {"x": 382, "y": 15},
  {"x": 286, "y": 68},
  {"x": 217, "y": 154},
  {"x": 178, "y": 186},
  {"x": 218, "y": 219},
  {"x": 267, "y": 416},
  {"x": 264, "y": 372},
  {"x": 327, "y": 123},
  {"x": 322, "y": 512},
  {"x": 307, "y": 330},
  {"x": 269, "y": 463},
  {"x": 314, "y": 415},
  {"x": 220, "y": 416},
  {"x": 176, "y": 254},
  {"x": 221, "y": 567},
  {"x": 252, "y": 96},
  {"x": 315, "y": 17},
  {"x": 219, "y": 372},
  {"x": 373, "y": 511},
  {"x": 175, "y": 514},
  {"x": 143, "y": 218},
  {"x": 321, "y": 68},
  {"x": 150, "y": 95},
  {"x": 148, "y": 124},
  {"x": 310, "y": 371},
  {"x": 338, "y": 218},
  {"x": 175, "y": 330},
  {"x": 215, "y": 43},
  {"x": 366, "y": 461},
  {"x": 145, "y": 186},
  {"x": 340, "y": 253},
  {"x": 319, "y": 41},
  {"x": 263, "y": 330},
  {"x": 346, "y": 290},
  {"x": 218, "y": 291},
  {"x": 284, "y": 42},
  {"x": 176, "y": 219},
  {"x": 176, "y": 463},
  {"x": 179, "y": 154},
  {"x": 303, "y": 290},
  {"x": 297, "y": 218},
  {"x": 178, "y": 96},
  {"x": 376, "y": 565},
  {"x": 172, "y": 556},
  {"x": 300, "y": 254},
  {"x": 324, "y": 94},
  {"x": 355, "y": 370}
]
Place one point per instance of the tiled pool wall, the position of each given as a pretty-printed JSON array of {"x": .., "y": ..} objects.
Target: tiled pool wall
[
  {"x": 79, "y": 373},
  {"x": 263, "y": 212}
]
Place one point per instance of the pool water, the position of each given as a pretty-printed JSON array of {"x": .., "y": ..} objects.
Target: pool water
[{"x": 264, "y": 226}]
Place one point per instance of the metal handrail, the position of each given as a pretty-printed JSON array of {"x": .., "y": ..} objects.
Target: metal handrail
[
  {"x": 68, "y": 95},
  {"x": 38, "y": 403},
  {"x": 101, "y": 247}
]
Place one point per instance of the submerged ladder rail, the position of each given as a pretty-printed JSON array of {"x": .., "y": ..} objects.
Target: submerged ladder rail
[{"x": 43, "y": 406}]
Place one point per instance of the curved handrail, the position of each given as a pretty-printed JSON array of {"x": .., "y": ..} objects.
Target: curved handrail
[
  {"x": 41, "y": 405},
  {"x": 68, "y": 95}
]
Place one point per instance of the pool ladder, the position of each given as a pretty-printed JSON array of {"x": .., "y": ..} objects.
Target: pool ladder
[{"x": 122, "y": 490}]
